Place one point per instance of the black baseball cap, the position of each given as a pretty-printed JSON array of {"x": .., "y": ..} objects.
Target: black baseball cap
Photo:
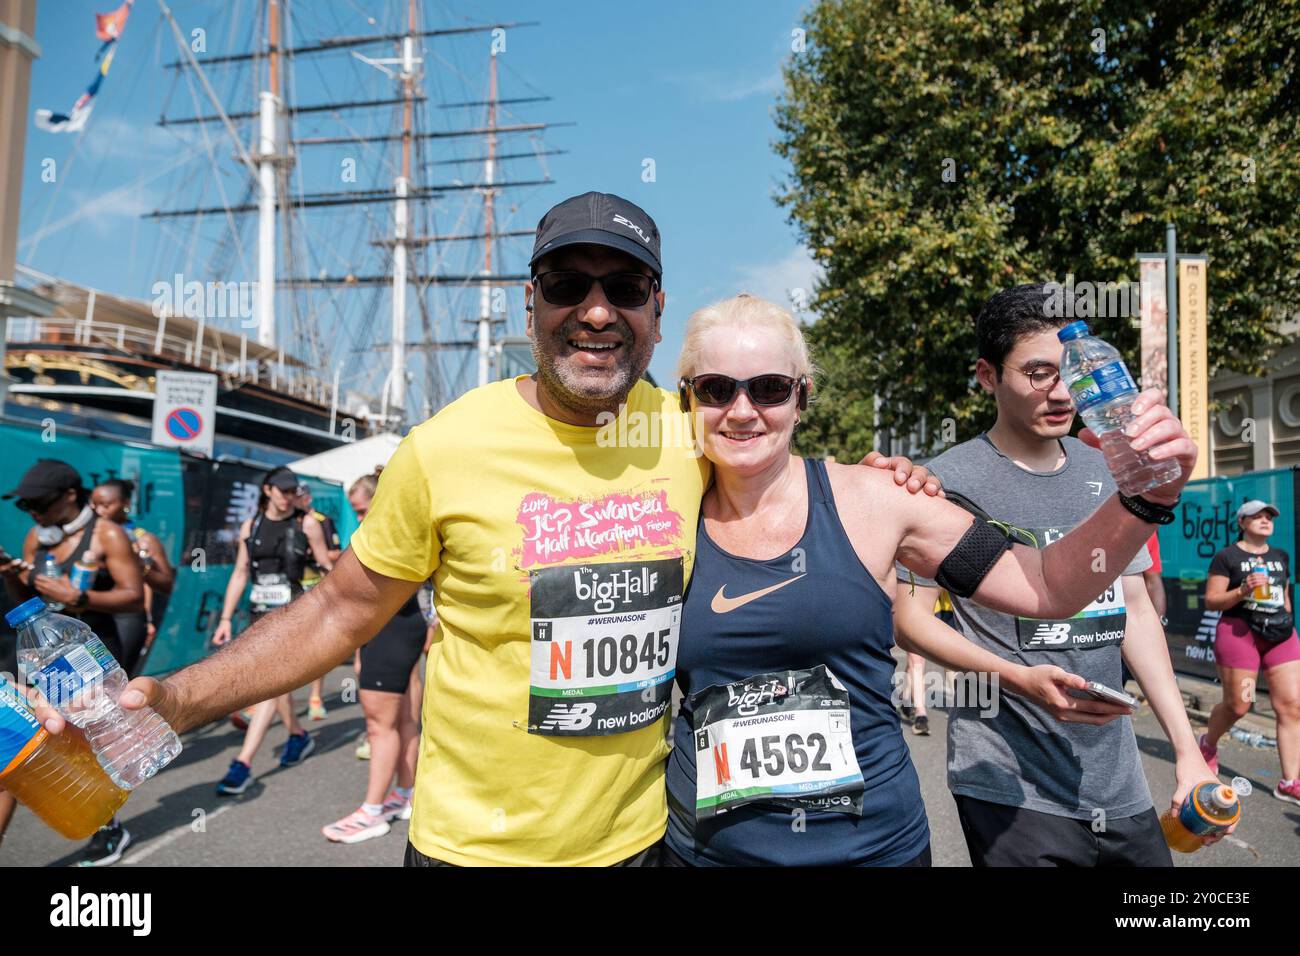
[
  {"x": 282, "y": 478},
  {"x": 46, "y": 477},
  {"x": 600, "y": 219}
]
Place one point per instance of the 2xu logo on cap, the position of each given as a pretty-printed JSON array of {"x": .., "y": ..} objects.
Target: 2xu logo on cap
[{"x": 624, "y": 221}]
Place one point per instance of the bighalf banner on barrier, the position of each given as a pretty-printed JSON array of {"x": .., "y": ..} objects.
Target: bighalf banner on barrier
[
  {"x": 1206, "y": 523},
  {"x": 195, "y": 507}
]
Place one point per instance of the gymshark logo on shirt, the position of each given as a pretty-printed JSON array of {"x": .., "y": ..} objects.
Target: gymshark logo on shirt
[
  {"x": 624, "y": 221},
  {"x": 569, "y": 717},
  {"x": 724, "y": 605},
  {"x": 1096, "y": 488}
]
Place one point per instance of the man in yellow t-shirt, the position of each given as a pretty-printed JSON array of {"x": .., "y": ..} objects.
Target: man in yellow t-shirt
[{"x": 556, "y": 514}]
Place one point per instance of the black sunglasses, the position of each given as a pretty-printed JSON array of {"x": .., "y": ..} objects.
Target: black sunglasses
[
  {"x": 624, "y": 290},
  {"x": 35, "y": 506},
  {"x": 717, "y": 390}
]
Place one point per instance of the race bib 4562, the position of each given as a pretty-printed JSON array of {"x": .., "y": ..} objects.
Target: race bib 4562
[{"x": 604, "y": 646}]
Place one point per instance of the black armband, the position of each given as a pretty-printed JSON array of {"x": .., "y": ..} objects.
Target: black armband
[{"x": 971, "y": 560}]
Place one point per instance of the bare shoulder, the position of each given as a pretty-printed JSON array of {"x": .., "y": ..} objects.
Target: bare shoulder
[
  {"x": 859, "y": 488},
  {"x": 111, "y": 533}
]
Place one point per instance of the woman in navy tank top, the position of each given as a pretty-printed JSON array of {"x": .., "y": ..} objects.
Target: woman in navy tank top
[{"x": 787, "y": 749}]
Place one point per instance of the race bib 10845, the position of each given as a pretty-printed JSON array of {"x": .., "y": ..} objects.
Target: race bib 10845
[{"x": 604, "y": 646}]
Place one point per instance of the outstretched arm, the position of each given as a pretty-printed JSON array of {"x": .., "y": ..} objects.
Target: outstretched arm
[
  {"x": 286, "y": 649},
  {"x": 1057, "y": 581}
]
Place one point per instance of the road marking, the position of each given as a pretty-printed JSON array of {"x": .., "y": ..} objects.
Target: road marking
[
  {"x": 171, "y": 836},
  {"x": 1239, "y": 842}
]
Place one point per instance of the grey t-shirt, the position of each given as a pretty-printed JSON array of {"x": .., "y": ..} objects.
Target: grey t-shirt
[{"x": 1022, "y": 756}]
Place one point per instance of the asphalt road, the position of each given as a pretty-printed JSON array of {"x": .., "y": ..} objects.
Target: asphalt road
[{"x": 178, "y": 820}]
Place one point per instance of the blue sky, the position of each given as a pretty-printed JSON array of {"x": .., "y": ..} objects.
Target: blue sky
[{"x": 690, "y": 86}]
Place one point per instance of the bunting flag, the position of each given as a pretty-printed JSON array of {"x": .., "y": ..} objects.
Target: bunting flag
[{"x": 108, "y": 28}]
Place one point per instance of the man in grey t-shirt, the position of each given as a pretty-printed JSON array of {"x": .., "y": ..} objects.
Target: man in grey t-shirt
[{"x": 1037, "y": 784}]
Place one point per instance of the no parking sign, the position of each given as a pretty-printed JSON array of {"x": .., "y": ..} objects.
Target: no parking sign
[{"x": 184, "y": 409}]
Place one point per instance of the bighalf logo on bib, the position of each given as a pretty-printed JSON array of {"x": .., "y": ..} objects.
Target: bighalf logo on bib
[
  {"x": 748, "y": 698},
  {"x": 556, "y": 531},
  {"x": 617, "y": 588}
]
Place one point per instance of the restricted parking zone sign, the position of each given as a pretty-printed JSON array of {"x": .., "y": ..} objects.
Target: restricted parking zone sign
[{"x": 184, "y": 410}]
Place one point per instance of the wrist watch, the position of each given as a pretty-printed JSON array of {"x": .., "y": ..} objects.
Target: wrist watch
[
  {"x": 82, "y": 601},
  {"x": 1148, "y": 511}
]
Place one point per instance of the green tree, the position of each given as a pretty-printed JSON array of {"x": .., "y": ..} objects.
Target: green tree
[{"x": 941, "y": 151}]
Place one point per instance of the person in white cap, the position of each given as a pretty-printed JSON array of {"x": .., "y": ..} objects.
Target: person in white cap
[{"x": 1249, "y": 582}]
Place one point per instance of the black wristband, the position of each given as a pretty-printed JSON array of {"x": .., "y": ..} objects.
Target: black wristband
[{"x": 1148, "y": 511}]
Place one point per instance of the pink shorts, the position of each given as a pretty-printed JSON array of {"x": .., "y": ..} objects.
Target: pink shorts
[{"x": 1237, "y": 646}]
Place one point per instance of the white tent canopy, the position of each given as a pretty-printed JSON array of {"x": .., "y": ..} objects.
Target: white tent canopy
[{"x": 349, "y": 462}]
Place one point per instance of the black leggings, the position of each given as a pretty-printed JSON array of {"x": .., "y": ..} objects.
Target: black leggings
[{"x": 132, "y": 631}]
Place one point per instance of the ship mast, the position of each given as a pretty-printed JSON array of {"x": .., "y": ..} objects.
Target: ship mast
[
  {"x": 489, "y": 174},
  {"x": 269, "y": 121},
  {"x": 397, "y": 352}
]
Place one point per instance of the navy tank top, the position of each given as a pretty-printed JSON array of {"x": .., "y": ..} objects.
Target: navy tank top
[{"x": 834, "y": 614}]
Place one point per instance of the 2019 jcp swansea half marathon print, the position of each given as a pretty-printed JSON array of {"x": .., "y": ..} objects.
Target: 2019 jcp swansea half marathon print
[{"x": 604, "y": 646}]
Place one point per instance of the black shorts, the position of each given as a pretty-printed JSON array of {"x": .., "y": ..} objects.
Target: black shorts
[
  {"x": 389, "y": 658},
  {"x": 999, "y": 835},
  {"x": 650, "y": 856}
]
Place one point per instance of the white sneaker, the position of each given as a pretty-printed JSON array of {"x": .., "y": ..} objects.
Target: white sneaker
[{"x": 356, "y": 827}]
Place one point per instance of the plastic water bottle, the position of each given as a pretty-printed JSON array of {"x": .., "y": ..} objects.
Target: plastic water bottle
[
  {"x": 1103, "y": 392},
  {"x": 77, "y": 674},
  {"x": 1209, "y": 808},
  {"x": 50, "y": 569},
  {"x": 56, "y": 777}
]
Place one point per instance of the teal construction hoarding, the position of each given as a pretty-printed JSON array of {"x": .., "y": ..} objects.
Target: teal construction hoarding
[{"x": 194, "y": 505}]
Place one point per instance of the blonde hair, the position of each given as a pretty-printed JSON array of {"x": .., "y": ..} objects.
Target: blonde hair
[
  {"x": 744, "y": 311},
  {"x": 367, "y": 483}
]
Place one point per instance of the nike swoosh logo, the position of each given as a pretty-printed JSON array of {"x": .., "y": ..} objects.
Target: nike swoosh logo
[{"x": 724, "y": 605}]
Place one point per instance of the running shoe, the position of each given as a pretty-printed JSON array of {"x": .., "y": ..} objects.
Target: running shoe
[
  {"x": 105, "y": 847},
  {"x": 396, "y": 807},
  {"x": 240, "y": 719},
  {"x": 1211, "y": 754},
  {"x": 1290, "y": 792},
  {"x": 356, "y": 827},
  {"x": 921, "y": 726},
  {"x": 236, "y": 780},
  {"x": 907, "y": 710},
  {"x": 363, "y": 750},
  {"x": 296, "y": 749},
  {"x": 316, "y": 709}
]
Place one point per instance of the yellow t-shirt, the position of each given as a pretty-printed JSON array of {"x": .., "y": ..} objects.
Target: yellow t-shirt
[{"x": 517, "y": 517}]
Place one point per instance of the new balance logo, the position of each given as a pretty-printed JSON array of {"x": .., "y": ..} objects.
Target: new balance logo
[
  {"x": 624, "y": 221},
  {"x": 568, "y": 717},
  {"x": 1046, "y": 633}
]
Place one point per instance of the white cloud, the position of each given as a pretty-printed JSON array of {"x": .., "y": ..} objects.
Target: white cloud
[
  {"x": 788, "y": 281},
  {"x": 720, "y": 86}
]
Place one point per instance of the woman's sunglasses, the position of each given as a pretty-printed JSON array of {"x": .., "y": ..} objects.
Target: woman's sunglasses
[
  {"x": 624, "y": 290},
  {"x": 767, "y": 390}
]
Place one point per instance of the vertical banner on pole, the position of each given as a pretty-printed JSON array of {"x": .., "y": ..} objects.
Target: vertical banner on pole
[
  {"x": 1154, "y": 327},
  {"x": 1193, "y": 378}
]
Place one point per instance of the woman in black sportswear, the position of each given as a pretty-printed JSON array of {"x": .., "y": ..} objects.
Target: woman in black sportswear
[
  {"x": 112, "y": 502},
  {"x": 273, "y": 548}
]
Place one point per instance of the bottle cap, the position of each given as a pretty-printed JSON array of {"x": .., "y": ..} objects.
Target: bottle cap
[
  {"x": 1223, "y": 797},
  {"x": 1242, "y": 787},
  {"x": 1075, "y": 330},
  {"x": 24, "y": 612}
]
